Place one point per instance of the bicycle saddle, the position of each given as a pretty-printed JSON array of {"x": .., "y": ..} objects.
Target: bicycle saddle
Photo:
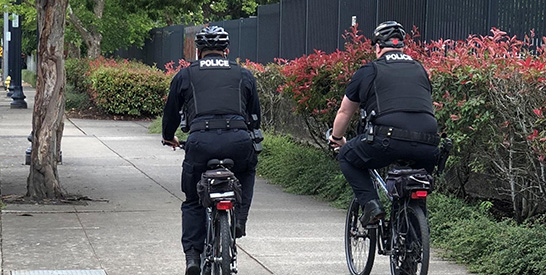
[{"x": 214, "y": 163}]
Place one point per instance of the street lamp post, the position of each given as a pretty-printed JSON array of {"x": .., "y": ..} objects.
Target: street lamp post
[
  {"x": 15, "y": 61},
  {"x": 5, "y": 52}
]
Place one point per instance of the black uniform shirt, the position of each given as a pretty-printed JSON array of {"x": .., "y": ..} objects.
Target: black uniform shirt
[
  {"x": 363, "y": 80},
  {"x": 181, "y": 85}
]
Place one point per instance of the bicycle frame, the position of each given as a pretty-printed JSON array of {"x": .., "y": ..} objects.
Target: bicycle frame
[
  {"x": 380, "y": 183},
  {"x": 382, "y": 226}
]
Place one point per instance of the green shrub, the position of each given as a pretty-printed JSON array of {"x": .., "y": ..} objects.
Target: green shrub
[
  {"x": 118, "y": 87},
  {"x": 77, "y": 70},
  {"x": 29, "y": 77},
  {"x": 471, "y": 236},
  {"x": 302, "y": 170},
  {"x": 130, "y": 89},
  {"x": 76, "y": 100}
]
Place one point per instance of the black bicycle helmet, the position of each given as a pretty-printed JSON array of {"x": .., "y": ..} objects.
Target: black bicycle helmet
[
  {"x": 212, "y": 38},
  {"x": 387, "y": 30}
]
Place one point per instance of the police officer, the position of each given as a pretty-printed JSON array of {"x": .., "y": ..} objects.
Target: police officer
[
  {"x": 395, "y": 94},
  {"x": 220, "y": 102}
]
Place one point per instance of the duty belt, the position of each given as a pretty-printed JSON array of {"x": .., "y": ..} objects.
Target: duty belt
[
  {"x": 217, "y": 124},
  {"x": 401, "y": 134}
]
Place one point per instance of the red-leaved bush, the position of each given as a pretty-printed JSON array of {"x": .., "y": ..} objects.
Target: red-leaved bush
[
  {"x": 171, "y": 70},
  {"x": 489, "y": 93},
  {"x": 316, "y": 82}
]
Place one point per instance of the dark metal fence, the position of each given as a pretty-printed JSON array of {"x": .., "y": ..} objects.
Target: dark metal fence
[
  {"x": 305, "y": 25},
  {"x": 165, "y": 45},
  {"x": 268, "y": 32},
  {"x": 292, "y": 28}
]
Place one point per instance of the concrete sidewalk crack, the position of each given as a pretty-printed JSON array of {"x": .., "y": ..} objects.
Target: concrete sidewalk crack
[
  {"x": 255, "y": 259},
  {"x": 88, "y": 240},
  {"x": 140, "y": 170},
  {"x": 75, "y": 125}
]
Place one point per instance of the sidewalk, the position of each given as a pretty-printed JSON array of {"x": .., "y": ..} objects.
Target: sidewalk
[{"x": 133, "y": 224}]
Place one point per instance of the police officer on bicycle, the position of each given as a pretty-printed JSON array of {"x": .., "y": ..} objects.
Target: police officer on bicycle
[
  {"x": 393, "y": 94},
  {"x": 219, "y": 100}
]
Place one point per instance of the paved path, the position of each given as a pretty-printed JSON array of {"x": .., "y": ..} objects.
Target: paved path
[{"x": 133, "y": 227}]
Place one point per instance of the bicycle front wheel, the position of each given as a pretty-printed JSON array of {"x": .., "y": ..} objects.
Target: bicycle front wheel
[
  {"x": 410, "y": 241},
  {"x": 222, "y": 247},
  {"x": 359, "y": 242}
]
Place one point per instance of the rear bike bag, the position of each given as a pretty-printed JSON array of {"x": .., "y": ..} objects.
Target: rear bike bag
[
  {"x": 402, "y": 182},
  {"x": 218, "y": 184}
]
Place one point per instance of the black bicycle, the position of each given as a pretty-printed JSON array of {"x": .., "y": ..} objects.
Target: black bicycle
[
  {"x": 404, "y": 235},
  {"x": 219, "y": 191}
]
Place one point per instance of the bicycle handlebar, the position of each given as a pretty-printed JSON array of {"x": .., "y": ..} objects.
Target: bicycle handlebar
[{"x": 182, "y": 144}]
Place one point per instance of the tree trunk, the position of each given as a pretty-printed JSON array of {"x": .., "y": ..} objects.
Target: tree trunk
[
  {"x": 47, "y": 121},
  {"x": 91, "y": 36}
]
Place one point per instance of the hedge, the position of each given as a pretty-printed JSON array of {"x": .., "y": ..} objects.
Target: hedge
[{"x": 119, "y": 87}]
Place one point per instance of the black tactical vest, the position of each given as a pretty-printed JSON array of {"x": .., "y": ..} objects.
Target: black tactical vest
[
  {"x": 215, "y": 89},
  {"x": 400, "y": 85}
]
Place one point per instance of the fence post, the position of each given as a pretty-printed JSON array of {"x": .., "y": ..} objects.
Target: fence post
[
  {"x": 306, "y": 26},
  {"x": 240, "y": 34},
  {"x": 492, "y": 14},
  {"x": 425, "y": 27},
  {"x": 376, "y": 13},
  {"x": 280, "y": 29},
  {"x": 338, "y": 22}
]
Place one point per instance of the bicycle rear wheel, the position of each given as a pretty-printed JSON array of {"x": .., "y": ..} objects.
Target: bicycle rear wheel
[
  {"x": 222, "y": 247},
  {"x": 410, "y": 241},
  {"x": 359, "y": 242}
]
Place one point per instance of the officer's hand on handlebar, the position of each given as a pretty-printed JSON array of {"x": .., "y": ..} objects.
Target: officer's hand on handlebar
[
  {"x": 174, "y": 143},
  {"x": 336, "y": 143}
]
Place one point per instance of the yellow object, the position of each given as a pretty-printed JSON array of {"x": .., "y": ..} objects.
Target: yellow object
[
  {"x": 8, "y": 80},
  {"x": 1, "y": 52}
]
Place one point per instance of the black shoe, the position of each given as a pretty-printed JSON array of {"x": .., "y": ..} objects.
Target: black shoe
[
  {"x": 373, "y": 212},
  {"x": 240, "y": 229},
  {"x": 193, "y": 267},
  {"x": 193, "y": 262}
]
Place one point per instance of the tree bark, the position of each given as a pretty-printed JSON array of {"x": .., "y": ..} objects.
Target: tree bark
[
  {"x": 91, "y": 36},
  {"x": 47, "y": 121}
]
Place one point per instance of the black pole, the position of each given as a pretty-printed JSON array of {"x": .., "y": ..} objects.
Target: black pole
[
  {"x": 5, "y": 54},
  {"x": 15, "y": 60}
]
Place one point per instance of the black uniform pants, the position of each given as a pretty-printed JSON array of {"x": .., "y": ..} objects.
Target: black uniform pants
[
  {"x": 357, "y": 156},
  {"x": 201, "y": 146}
]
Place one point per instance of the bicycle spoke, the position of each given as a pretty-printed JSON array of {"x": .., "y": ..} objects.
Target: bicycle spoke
[{"x": 359, "y": 243}]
